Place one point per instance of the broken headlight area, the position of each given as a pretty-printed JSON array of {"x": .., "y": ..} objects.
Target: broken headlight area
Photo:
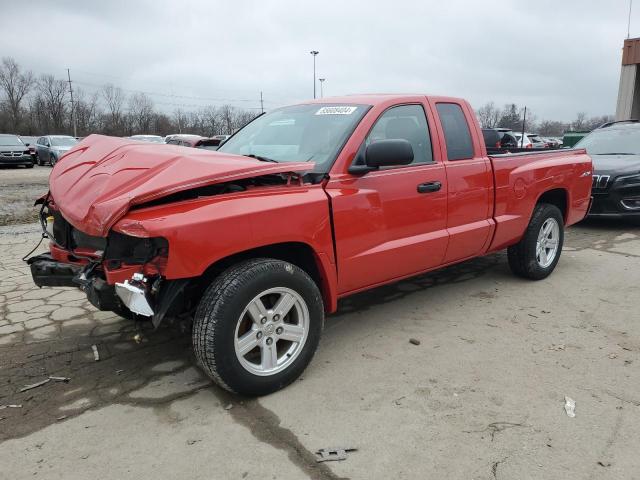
[{"x": 125, "y": 249}]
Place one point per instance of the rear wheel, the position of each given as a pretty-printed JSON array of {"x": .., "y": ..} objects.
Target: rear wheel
[
  {"x": 538, "y": 253},
  {"x": 258, "y": 325}
]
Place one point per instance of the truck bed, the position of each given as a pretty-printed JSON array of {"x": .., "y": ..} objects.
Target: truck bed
[{"x": 519, "y": 177}]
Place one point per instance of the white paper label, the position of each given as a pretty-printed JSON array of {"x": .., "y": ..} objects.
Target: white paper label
[{"x": 339, "y": 110}]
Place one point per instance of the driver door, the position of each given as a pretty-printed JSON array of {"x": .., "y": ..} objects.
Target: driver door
[{"x": 387, "y": 223}]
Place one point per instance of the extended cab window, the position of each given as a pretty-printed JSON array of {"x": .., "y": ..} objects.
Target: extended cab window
[
  {"x": 407, "y": 122},
  {"x": 456, "y": 131}
]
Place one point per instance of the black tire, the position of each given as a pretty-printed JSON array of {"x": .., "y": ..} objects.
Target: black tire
[
  {"x": 52, "y": 160},
  {"x": 217, "y": 315},
  {"x": 522, "y": 256},
  {"x": 39, "y": 160}
]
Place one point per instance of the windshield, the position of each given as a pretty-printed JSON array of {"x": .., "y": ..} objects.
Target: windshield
[
  {"x": 298, "y": 133},
  {"x": 604, "y": 141},
  {"x": 63, "y": 141},
  {"x": 10, "y": 140}
]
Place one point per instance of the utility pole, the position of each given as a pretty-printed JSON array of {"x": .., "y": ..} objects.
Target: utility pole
[
  {"x": 314, "y": 53},
  {"x": 524, "y": 121},
  {"x": 261, "y": 103},
  {"x": 73, "y": 117},
  {"x": 321, "y": 80}
]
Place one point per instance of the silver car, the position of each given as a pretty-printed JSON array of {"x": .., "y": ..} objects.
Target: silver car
[{"x": 50, "y": 148}]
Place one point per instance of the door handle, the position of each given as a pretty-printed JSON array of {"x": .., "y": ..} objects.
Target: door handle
[{"x": 429, "y": 187}]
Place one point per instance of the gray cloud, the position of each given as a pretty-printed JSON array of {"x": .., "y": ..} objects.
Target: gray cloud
[{"x": 556, "y": 57}]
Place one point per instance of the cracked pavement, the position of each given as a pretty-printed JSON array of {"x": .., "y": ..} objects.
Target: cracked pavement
[{"x": 481, "y": 396}]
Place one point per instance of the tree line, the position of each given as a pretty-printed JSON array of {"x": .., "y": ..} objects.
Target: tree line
[
  {"x": 511, "y": 116},
  {"x": 41, "y": 105},
  {"x": 32, "y": 105}
]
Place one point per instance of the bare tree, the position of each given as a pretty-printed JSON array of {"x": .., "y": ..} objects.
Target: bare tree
[
  {"x": 212, "y": 121},
  {"x": 580, "y": 123},
  {"x": 549, "y": 128},
  {"x": 87, "y": 113},
  {"x": 141, "y": 113},
  {"x": 53, "y": 95},
  {"x": 488, "y": 115},
  {"x": 114, "y": 98},
  {"x": 15, "y": 85}
]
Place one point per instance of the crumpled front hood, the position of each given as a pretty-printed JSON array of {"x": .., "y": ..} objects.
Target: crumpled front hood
[{"x": 97, "y": 182}]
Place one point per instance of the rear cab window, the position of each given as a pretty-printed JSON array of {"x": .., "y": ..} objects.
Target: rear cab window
[{"x": 456, "y": 131}]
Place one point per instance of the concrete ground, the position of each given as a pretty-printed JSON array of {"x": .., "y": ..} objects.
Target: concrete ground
[
  {"x": 19, "y": 187},
  {"x": 481, "y": 397}
]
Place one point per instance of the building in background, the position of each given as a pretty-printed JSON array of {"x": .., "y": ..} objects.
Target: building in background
[{"x": 629, "y": 90}]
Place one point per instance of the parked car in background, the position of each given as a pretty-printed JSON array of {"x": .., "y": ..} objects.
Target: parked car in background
[
  {"x": 305, "y": 205},
  {"x": 498, "y": 139},
  {"x": 529, "y": 140},
  {"x": 51, "y": 147},
  {"x": 194, "y": 141},
  {"x": 14, "y": 152},
  {"x": 30, "y": 142},
  {"x": 555, "y": 142},
  {"x": 615, "y": 150},
  {"x": 549, "y": 142},
  {"x": 147, "y": 138}
]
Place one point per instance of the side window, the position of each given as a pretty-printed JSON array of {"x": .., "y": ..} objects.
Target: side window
[
  {"x": 456, "y": 131},
  {"x": 406, "y": 122}
]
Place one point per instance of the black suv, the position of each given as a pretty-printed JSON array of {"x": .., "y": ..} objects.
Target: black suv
[
  {"x": 499, "y": 139},
  {"x": 615, "y": 151},
  {"x": 13, "y": 152}
]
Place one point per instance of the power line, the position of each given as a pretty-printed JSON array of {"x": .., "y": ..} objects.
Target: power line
[{"x": 170, "y": 95}]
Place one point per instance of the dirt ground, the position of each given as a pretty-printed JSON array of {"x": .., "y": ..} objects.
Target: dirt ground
[
  {"x": 19, "y": 187},
  {"x": 481, "y": 397}
]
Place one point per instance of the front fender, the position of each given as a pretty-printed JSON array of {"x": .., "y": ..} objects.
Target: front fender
[{"x": 203, "y": 231}]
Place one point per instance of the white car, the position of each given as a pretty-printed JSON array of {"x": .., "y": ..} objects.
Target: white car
[
  {"x": 530, "y": 140},
  {"x": 147, "y": 138}
]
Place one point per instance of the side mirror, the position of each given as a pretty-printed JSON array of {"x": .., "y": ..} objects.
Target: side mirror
[
  {"x": 386, "y": 153},
  {"x": 383, "y": 153}
]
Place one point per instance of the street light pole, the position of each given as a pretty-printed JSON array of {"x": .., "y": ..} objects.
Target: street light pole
[
  {"x": 321, "y": 80},
  {"x": 314, "y": 53}
]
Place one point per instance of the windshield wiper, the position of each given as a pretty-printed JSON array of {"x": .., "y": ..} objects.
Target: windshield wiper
[
  {"x": 616, "y": 153},
  {"x": 261, "y": 158}
]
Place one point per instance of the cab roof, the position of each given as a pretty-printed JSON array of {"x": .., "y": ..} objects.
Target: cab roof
[{"x": 380, "y": 98}]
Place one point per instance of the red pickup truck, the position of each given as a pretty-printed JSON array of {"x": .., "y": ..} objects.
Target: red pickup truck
[{"x": 303, "y": 206}]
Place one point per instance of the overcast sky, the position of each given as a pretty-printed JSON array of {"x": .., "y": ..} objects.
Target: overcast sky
[{"x": 557, "y": 57}]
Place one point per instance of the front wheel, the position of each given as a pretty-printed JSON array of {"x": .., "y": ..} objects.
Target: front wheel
[
  {"x": 258, "y": 325},
  {"x": 537, "y": 254},
  {"x": 52, "y": 160}
]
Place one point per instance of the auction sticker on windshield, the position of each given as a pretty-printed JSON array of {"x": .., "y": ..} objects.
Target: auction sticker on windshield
[{"x": 339, "y": 110}]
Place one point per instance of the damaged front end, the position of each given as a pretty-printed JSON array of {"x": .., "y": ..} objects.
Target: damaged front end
[{"x": 119, "y": 273}]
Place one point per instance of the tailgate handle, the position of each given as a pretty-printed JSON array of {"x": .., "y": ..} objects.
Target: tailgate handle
[{"x": 429, "y": 187}]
